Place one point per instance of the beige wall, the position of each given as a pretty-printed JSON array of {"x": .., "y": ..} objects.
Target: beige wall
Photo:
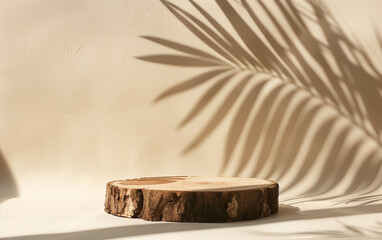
[{"x": 75, "y": 103}]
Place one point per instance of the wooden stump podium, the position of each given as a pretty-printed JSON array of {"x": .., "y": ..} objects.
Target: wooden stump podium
[{"x": 192, "y": 199}]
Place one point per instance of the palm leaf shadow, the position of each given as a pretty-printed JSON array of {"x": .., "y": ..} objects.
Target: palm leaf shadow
[
  {"x": 345, "y": 231},
  {"x": 283, "y": 120}
]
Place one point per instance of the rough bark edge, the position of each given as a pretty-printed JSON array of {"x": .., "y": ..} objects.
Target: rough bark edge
[
  {"x": 123, "y": 202},
  {"x": 184, "y": 206}
]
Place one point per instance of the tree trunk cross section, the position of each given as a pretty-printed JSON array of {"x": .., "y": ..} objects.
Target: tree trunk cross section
[{"x": 192, "y": 199}]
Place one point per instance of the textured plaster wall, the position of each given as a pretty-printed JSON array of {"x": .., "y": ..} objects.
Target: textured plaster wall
[{"x": 76, "y": 105}]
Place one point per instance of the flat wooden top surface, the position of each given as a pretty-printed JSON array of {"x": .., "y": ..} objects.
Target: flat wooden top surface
[{"x": 192, "y": 184}]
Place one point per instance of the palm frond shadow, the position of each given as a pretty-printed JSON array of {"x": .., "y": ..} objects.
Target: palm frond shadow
[
  {"x": 313, "y": 103},
  {"x": 345, "y": 231}
]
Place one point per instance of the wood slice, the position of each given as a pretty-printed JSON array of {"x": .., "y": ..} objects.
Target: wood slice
[{"x": 192, "y": 199}]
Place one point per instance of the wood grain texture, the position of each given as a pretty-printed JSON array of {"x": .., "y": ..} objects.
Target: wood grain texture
[{"x": 192, "y": 199}]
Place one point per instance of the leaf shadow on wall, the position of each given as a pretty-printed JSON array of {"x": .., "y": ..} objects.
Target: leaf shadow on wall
[
  {"x": 301, "y": 103},
  {"x": 8, "y": 188}
]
